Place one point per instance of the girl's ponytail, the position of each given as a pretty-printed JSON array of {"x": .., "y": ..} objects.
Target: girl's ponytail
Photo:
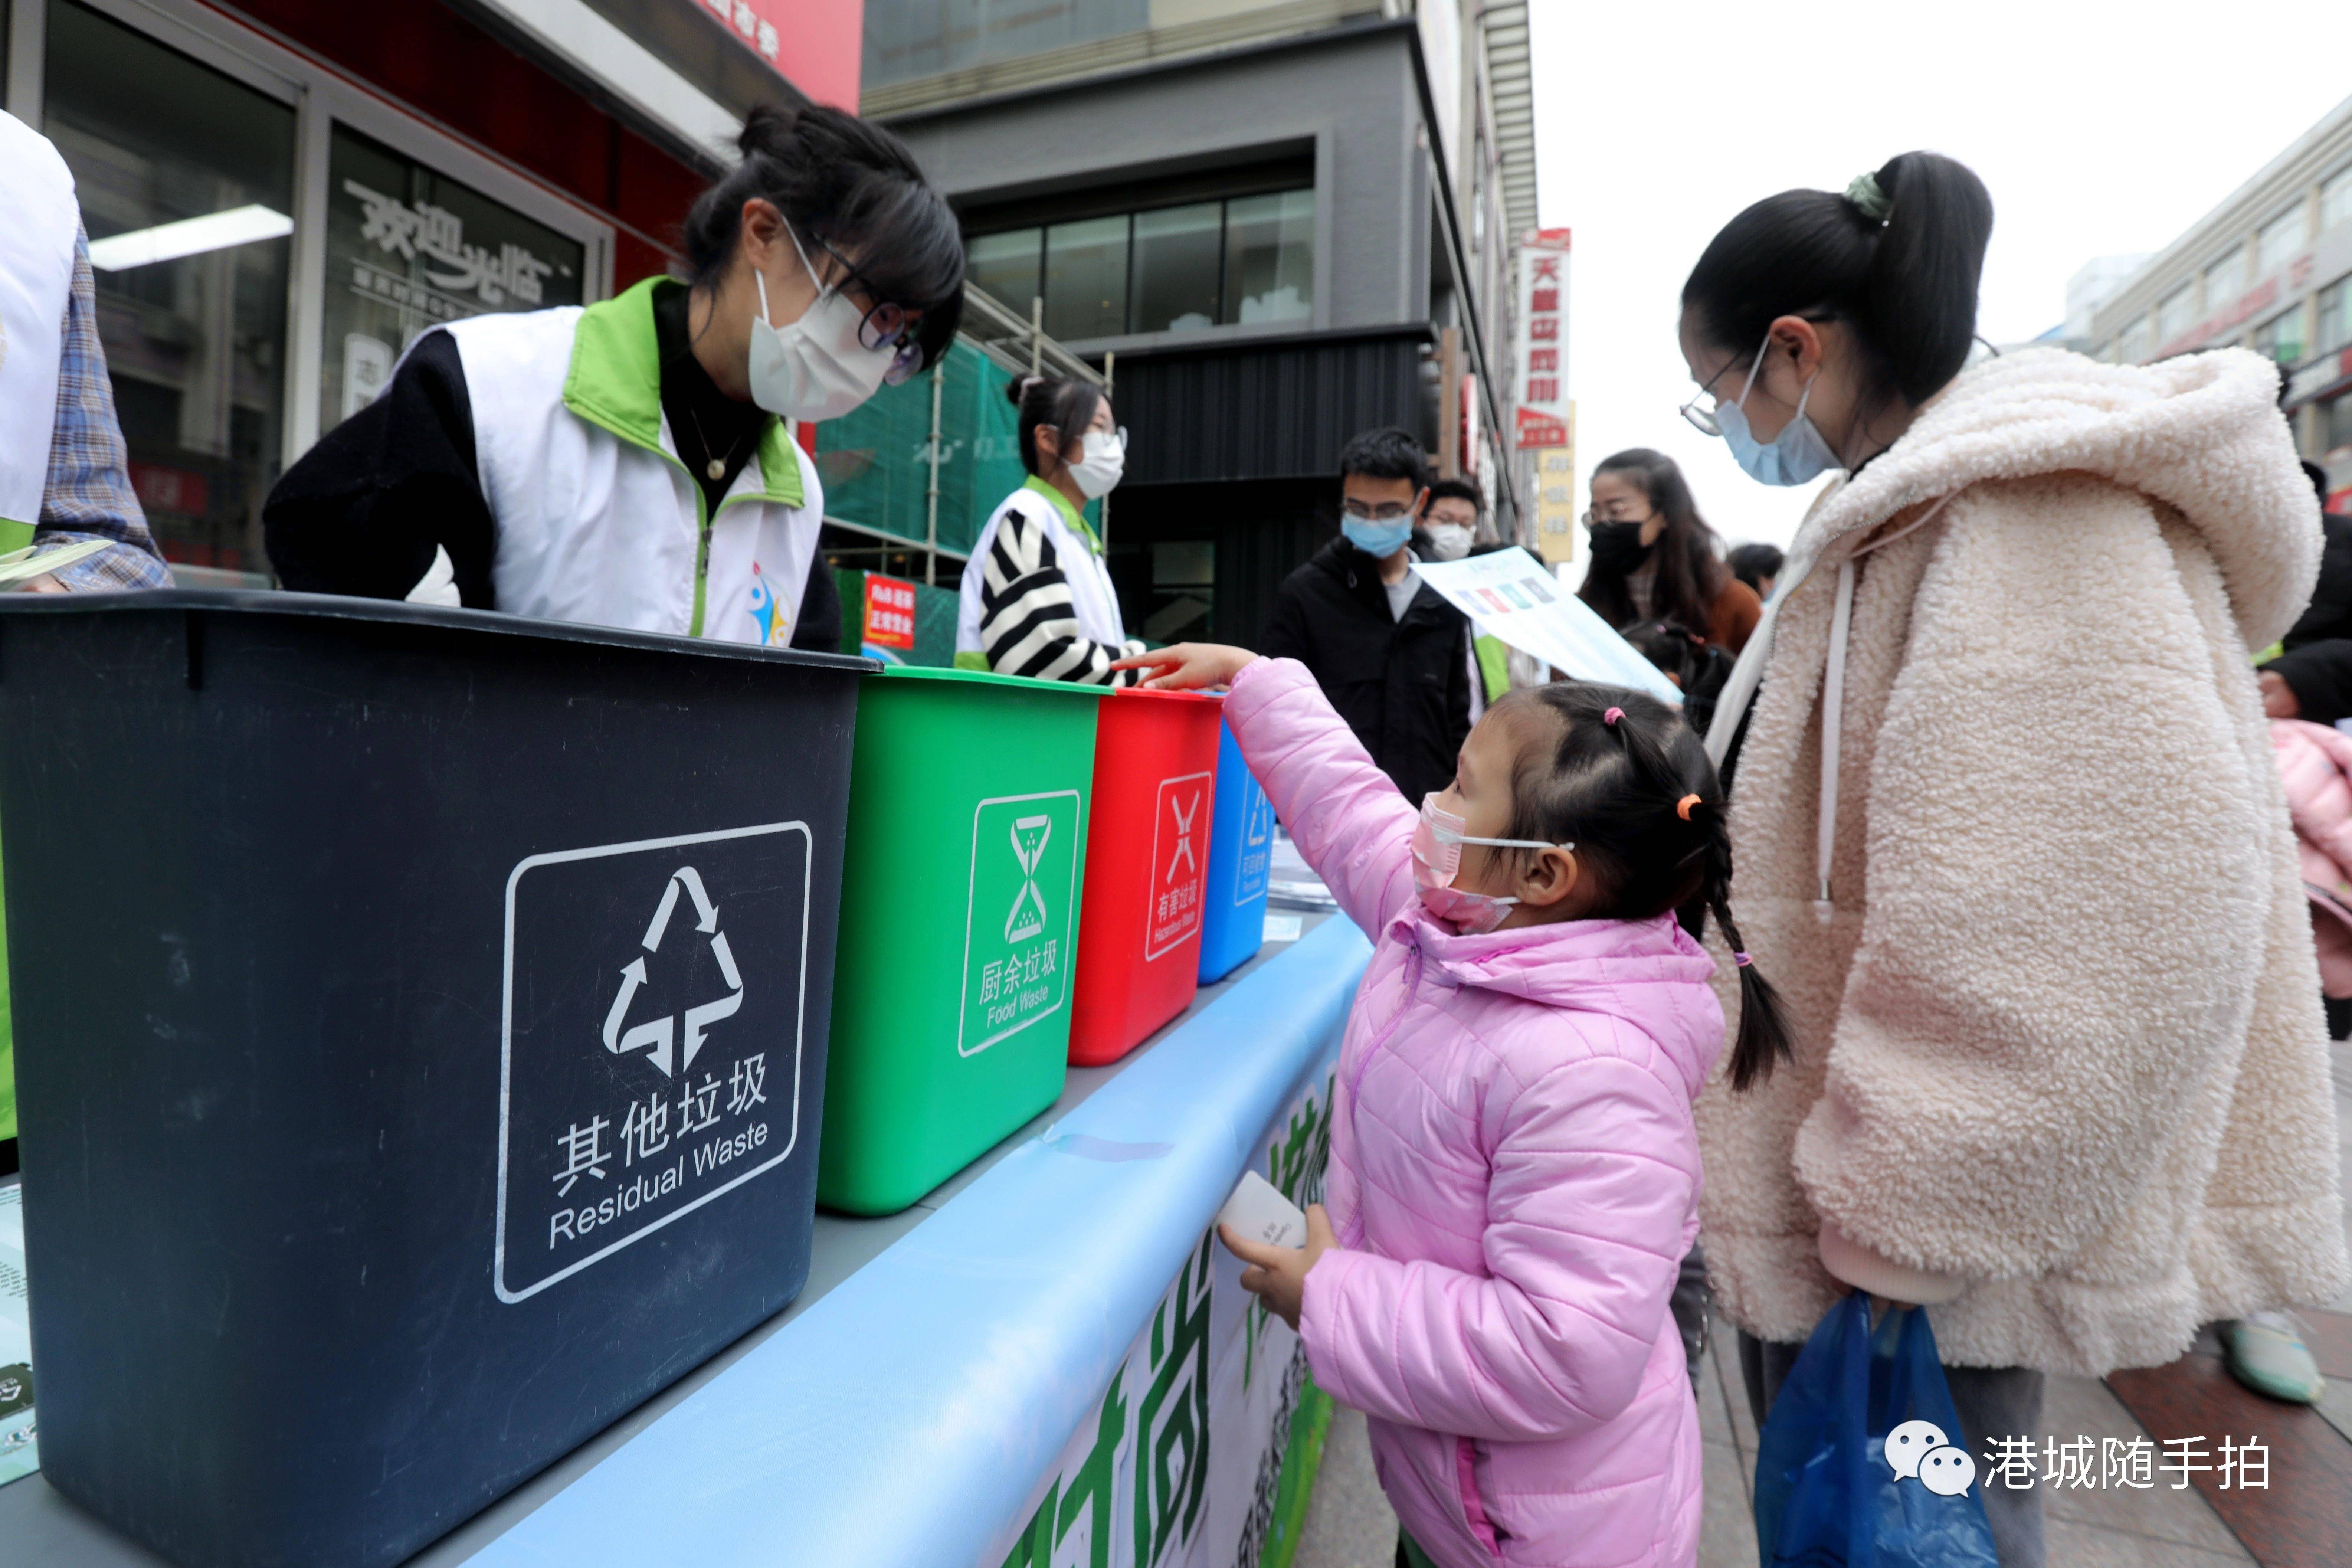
[
  {"x": 1763, "y": 1041},
  {"x": 1626, "y": 780}
]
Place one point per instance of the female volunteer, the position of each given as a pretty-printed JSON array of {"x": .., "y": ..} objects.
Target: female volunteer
[
  {"x": 1037, "y": 599},
  {"x": 1654, "y": 557},
  {"x": 2010, "y": 835},
  {"x": 626, "y": 464}
]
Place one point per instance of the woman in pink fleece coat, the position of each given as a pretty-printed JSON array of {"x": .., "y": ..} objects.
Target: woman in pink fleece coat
[{"x": 1514, "y": 1171}]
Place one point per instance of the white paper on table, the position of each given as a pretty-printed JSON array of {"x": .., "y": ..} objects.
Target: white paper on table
[
  {"x": 1282, "y": 928},
  {"x": 1516, "y": 597},
  {"x": 18, "y": 1454},
  {"x": 20, "y": 566}
]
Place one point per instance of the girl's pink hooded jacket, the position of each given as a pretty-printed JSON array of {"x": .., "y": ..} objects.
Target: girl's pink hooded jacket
[
  {"x": 2316, "y": 765},
  {"x": 1513, "y": 1181}
]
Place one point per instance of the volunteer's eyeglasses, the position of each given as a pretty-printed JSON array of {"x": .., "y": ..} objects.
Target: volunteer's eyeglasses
[
  {"x": 1387, "y": 512},
  {"x": 885, "y": 324}
]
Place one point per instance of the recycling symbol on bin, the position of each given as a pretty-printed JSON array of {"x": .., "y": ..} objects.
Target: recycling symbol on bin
[
  {"x": 660, "y": 1034},
  {"x": 1028, "y": 917}
]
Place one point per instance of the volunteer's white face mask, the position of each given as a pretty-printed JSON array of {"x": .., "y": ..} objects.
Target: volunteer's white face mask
[
  {"x": 1449, "y": 541},
  {"x": 1098, "y": 471},
  {"x": 814, "y": 368}
]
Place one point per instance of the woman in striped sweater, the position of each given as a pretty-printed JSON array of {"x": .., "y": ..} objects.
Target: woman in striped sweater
[{"x": 1038, "y": 597}]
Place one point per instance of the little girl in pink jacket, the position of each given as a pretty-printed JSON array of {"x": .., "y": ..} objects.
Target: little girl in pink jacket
[{"x": 1514, "y": 1172}]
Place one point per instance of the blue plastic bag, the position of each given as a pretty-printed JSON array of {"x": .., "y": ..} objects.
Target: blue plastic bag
[{"x": 1862, "y": 1463}]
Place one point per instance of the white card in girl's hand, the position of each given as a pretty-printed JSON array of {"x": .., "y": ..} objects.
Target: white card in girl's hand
[{"x": 1258, "y": 1212}]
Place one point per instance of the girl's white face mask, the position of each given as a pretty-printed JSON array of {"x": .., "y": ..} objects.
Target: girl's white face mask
[
  {"x": 1098, "y": 471},
  {"x": 814, "y": 368},
  {"x": 1437, "y": 841}
]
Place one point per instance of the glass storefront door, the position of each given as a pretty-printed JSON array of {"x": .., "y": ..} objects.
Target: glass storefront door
[
  {"x": 408, "y": 249},
  {"x": 186, "y": 181}
]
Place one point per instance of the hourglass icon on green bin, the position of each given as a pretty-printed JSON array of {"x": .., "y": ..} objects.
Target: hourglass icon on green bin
[{"x": 1028, "y": 919}]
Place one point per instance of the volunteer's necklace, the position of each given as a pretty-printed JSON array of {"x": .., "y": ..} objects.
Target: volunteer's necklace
[{"x": 715, "y": 466}]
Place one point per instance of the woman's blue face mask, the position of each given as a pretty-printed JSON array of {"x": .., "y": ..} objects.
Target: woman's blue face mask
[{"x": 1795, "y": 456}]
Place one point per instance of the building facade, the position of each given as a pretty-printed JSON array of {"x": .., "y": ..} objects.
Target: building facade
[
  {"x": 2270, "y": 270},
  {"x": 1277, "y": 224},
  {"x": 281, "y": 194}
]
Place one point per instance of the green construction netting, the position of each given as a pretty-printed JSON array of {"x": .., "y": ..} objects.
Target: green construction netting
[{"x": 875, "y": 461}]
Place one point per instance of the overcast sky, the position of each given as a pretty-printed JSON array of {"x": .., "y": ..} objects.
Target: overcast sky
[{"x": 2098, "y": 129}]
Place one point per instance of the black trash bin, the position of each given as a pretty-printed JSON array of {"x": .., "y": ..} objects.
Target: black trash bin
[{"x": 420, "y": 1032}]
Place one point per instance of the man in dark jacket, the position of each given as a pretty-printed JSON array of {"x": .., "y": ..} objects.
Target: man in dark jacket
[
  {"x": 2313, "y": 679},
  {"x": 1390, "y": 654}
]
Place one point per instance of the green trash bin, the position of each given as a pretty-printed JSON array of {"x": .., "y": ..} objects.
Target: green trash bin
[{"x": 966, "y": 864}]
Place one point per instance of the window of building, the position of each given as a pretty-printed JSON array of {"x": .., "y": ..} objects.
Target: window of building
[
  {"x": 2335, "y": 423},
  {"x": 2176, "y": 313},
  {"x": 1085, "y": 278},
  {"x": 2132, "y": 343},
  {"x": 1004, "y": 266},
  {"x": 1270, "y": 258},
  {"x": 1183, "y": 589},
  {"x": 2225, "y": 279},
  {"x": 1240, "y": 260},
  {"x": 2335, "y": 317},
  {"x": 1176, "y": 267},
  {"x": 2280, "y": 238},
  {"x": 2336, "y": 199},
  {"x": 193, "y": 316},
  {"x": 2281, "y": 337},
  {"x": 408, "y": 249}
]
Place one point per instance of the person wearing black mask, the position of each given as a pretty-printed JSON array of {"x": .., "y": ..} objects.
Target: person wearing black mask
[{"x": 1654, "y": 558}]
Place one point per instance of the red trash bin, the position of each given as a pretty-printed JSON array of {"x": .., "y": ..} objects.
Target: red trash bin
[{"x": 1147, "y": 869}]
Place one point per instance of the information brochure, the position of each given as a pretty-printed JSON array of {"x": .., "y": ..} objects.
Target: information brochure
[
  {"x": 16, "y": 1455},
  {"x": 1516, "y": 597},
  {"x": 21, "y": 566}
]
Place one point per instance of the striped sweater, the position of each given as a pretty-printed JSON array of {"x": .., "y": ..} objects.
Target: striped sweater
[{"x": 1028, "y": 623}]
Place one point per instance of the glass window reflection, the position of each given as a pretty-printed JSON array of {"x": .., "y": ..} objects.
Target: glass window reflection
[{"x": 194, "y": 338}]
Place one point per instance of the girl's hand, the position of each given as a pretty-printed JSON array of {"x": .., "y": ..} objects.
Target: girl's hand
[
  {"x": 1190, "y": 665},
  {"x": 1278, "y": 1274}
]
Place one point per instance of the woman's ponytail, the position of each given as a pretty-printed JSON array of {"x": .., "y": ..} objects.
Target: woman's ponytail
[
  {"x": 1920, "y": 306},
  {"x": 1897, "y": 256},
  {"x": 1764, "y": 1040}
]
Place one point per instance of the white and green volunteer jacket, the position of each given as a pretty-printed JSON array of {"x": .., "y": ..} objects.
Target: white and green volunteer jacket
[
  {"x": 39, "y": 221},
  {"x": 598, "y": 520},
  {"x": 1037, "y": 598}
]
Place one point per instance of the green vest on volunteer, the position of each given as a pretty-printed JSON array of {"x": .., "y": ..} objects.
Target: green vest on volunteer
[{"x": 36, "y": 269}]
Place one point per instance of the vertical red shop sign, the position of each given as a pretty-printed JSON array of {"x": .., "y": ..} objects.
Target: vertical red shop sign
[
  {"x": 1542, "y": 389},
  {"x": 889, "y": 611}
]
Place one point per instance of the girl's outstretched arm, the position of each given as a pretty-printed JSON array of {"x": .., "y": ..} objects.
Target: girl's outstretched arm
[{"x": 1349, "y": 821}]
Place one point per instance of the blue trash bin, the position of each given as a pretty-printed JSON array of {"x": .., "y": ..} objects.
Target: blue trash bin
[{"x": 1240, "y": 853}]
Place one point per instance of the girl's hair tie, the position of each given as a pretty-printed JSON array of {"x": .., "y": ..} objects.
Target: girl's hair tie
[
  {"x": 1742, "y": 960},
  {"x": 1683, "y": 806},
  {"x": 1611, "y": 717}
]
